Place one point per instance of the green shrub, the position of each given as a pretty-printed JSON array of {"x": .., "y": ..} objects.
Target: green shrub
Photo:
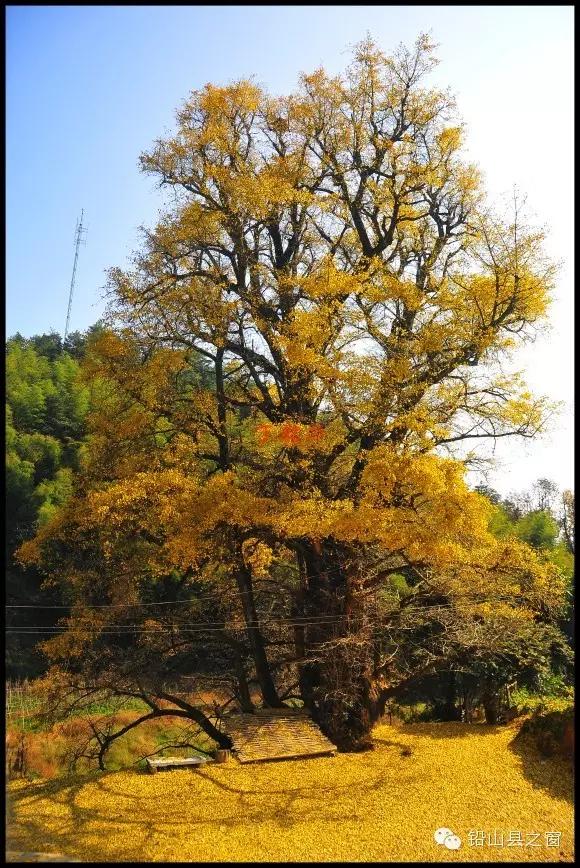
[{"x": 553, "y": 692}]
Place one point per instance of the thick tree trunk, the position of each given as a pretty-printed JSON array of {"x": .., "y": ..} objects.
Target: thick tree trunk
[
  {"x": 336, "y": 681},
  {"x": 263, "y": 673},
  {"x": 346, "y": 712}
]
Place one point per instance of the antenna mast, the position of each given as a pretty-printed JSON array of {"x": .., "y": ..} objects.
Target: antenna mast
[{"x": 78, "y": 239}]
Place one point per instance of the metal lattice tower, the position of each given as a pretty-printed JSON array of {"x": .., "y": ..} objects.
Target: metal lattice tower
[{"x": 79, "y": 231}]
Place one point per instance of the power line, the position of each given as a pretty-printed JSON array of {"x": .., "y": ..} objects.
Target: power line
[
  {"x": 216, "y": 627},
  {"x": 132, "y": 605},
  {"x": 210, "y": 626},
  {"x": 291, "y": 619},
  {"x": 224, "y": 593}
]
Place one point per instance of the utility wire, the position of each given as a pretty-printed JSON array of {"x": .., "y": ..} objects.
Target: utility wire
[
  {"x": 216, "y": 627},
  {"x": 225, "y": 593},
  {"x": 309, "y": 619}
]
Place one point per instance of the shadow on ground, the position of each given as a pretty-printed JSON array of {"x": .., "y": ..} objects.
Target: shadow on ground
[
  {"x": 553, "y": 775},
  {"x": 145, "y": 817}
]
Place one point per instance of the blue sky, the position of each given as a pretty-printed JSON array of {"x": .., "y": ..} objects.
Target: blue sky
[{"x": 90, "y": 88}]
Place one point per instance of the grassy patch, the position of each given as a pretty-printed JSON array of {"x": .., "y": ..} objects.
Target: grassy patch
[{"x": 50, "y": 753}]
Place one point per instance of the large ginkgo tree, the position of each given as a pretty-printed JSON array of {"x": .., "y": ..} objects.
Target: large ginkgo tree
[{"x": 315, "y": 324}]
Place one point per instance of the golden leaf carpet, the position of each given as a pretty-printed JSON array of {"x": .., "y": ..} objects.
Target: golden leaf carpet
[{"x": 499, "y": 797}]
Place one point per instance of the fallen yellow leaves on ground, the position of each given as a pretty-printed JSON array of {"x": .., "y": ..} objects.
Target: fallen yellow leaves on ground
[{"x": 384, "y": 805}]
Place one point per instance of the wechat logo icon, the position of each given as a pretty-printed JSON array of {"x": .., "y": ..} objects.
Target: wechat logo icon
[{"x": 448, "y": 838}]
